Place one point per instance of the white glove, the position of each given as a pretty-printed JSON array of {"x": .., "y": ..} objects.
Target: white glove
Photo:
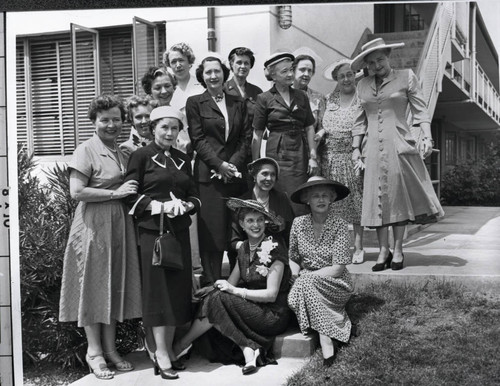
[{"x": 174, "y": 207}]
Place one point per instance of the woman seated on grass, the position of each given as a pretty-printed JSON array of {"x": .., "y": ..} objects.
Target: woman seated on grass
[{"x": 250, "y": 308}]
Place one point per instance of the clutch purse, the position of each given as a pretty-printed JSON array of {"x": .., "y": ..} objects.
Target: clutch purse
[{"x": 167, "y": 251}]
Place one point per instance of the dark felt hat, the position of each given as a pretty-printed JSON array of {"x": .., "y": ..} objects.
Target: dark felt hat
[{"x": 236, "y": 204}]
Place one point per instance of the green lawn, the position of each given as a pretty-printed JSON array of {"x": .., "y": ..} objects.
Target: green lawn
[{"x": 434, "y": 333}]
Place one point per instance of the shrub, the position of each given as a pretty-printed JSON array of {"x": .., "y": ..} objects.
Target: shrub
[
  {"x": 45, "y": 216},
  {"x": 474, "y": 182}
]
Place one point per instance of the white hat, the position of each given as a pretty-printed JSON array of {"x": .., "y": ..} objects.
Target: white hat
[
  {"x": 166, "y": 112},
  {"x": 328, "y": 71},
  {"x": 373, "y": 45}
]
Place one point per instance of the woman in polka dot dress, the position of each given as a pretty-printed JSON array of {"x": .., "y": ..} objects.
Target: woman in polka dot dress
[{"x": 319, "y": 252}]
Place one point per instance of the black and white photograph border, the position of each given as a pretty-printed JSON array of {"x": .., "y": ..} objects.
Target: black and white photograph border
[{"x": 467, "y": 111}]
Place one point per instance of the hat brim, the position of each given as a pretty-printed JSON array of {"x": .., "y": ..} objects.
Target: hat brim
[
  {"x": 235, "y": 204},
  {"x": 327, "y": 72},
  {"x": 358, "y": 63},
  {"x": 341, "y": 190},
  {"x": 279, "y": 58}
]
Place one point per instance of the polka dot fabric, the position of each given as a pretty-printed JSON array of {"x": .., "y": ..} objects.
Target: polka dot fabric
[{"x": 318, "y": 301}]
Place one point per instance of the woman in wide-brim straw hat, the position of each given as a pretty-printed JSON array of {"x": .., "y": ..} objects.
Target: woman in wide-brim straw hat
[
  {"x": 287, "y": 115},
  {"x": 342, "y": 107},
  {"x": 319, "y": 252},
  {"x": 249, "y": 309},
  {"x": 397, "y": 187}
]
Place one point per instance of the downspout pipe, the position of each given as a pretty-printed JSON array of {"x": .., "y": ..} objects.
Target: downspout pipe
[
  {"x": 211, "y": 35},
  {"x": 473, "y": 51}
]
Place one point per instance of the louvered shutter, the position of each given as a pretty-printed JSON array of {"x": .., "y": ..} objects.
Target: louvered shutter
[
  {"x": 84, "y": 43},
  {"x": 146, "y": 49},
  {"x": 116, "y": 63}
]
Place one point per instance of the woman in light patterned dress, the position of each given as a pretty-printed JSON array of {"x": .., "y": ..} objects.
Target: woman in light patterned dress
[
  {"x": 342, "y": 107},
  {"x": 318, "y": 253}
]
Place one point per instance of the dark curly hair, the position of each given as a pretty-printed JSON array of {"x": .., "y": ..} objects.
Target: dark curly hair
[
  {"x": 184, "y": 49},
  {"x": 103, "y": 103},
  {"x": 199, "y": 70},
  {"x": 299, "y": 58},
  {"x": 241, "y": 51},
  {"x": 155, "y": 72}
]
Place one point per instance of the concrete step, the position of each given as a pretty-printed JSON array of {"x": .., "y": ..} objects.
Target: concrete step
[{"x": 293, "y": 344}]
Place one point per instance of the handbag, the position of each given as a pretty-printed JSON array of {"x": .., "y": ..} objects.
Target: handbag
[{"x": 167, "y": 250}]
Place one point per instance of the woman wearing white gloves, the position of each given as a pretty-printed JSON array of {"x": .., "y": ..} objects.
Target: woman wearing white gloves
[{"x": 164, "y": 177}]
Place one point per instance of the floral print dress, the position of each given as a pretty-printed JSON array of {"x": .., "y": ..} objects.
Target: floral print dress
[{"x": 336, "y": 153}]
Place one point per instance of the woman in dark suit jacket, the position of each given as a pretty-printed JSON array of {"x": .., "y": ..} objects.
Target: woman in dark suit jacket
[
  {"x": 220, "y": 134},
  {"x": 164, "y": 177}
]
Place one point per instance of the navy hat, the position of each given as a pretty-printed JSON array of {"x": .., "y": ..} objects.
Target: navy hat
[
  {"x": 266, "y": 161},
  {"x": 236, "y": 204},
  {"x": 341, "y": 190},
  {"x": 278, "y": 57}
]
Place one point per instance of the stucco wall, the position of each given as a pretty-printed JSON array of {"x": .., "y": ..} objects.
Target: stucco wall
[{"x": 332, "y": 31}]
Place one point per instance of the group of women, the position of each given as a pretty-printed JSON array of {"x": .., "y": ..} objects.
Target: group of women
[{"x": 275, "y": 177}]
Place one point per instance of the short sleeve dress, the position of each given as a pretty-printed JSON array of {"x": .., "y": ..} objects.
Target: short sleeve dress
[
  {"x": 101, "y": 279},
  {"x": 286, "y": 142},
  {"x": 244, "y": 322},
  {"x": 336, "y": 155},
  {"x": 319, "y": 302}
]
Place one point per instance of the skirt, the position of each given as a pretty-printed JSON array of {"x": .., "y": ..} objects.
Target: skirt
[
  {"x": 101, "y": 280},
  {"x": 166, "y": 294}
]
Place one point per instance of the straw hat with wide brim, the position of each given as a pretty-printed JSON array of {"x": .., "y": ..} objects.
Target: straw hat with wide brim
[
  {"x": 358, "y": 62},
  {"x": 328, "y": 71},
  {"x": 252, "y": 166},
  {"x": 341, "y": 190},
  {"x": 236, "y": 204}
]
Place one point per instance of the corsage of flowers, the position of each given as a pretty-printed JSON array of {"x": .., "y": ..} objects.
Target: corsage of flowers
[{"x": 264, "y": 254}]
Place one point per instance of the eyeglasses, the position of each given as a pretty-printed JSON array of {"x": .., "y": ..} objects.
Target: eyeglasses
[{"x": 349, "y": 75}]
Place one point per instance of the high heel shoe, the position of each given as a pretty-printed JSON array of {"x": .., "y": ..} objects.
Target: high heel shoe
[
  {"x": 358, "y": 257},
  {"x": 397, "y": 266},
  {"x": 165, "y": 373},
  {"x": 178, "y": 365},
  {"x": 117, "y": 361},
  {"x": 186, "y": 352},
  {"x": 251, "y": 366},
  {"x": 384, "y": 265},
  {"x": 97, "y": 366},
  {"x": 329, "y": 361}
]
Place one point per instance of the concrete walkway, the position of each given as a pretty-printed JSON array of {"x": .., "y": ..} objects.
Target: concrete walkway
[{"x": 464, "y": 246}]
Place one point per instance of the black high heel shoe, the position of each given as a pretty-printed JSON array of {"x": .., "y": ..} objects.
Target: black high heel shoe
[
  {"x": 251, "y": 366},
  {"x": 329, "y": 361},
  {"x": 398, "y": 266},
  {"x": 165, "y": 373},
  {"x": 384, "y": 265},
  {"x": 178, "y": 365}
]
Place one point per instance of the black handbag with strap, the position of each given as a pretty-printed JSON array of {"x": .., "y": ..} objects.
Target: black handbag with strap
[{"x": 167, "y": 250}]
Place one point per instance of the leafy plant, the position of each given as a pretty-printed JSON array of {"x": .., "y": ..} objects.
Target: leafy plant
[
  {"x": 45, "y": 215},
  {"x": 474, "y": 182}
]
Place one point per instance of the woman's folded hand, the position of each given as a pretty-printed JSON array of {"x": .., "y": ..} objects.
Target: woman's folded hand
[
  {"x": 126, "y": 189},
  {"x": 225, "y": 286}
]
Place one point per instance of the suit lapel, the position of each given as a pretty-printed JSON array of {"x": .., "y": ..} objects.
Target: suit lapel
[{"x": 231, "y": 106}]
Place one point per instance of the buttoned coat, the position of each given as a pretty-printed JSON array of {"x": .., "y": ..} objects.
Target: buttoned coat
[
  {"x": 397, "y": 186},
  {"x": 207, "y": 129}
]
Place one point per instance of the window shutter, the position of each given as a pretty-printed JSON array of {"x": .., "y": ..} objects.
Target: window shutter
[
  {"x": 84, "y": 43},
  {"x": 116, "y": 60}
]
